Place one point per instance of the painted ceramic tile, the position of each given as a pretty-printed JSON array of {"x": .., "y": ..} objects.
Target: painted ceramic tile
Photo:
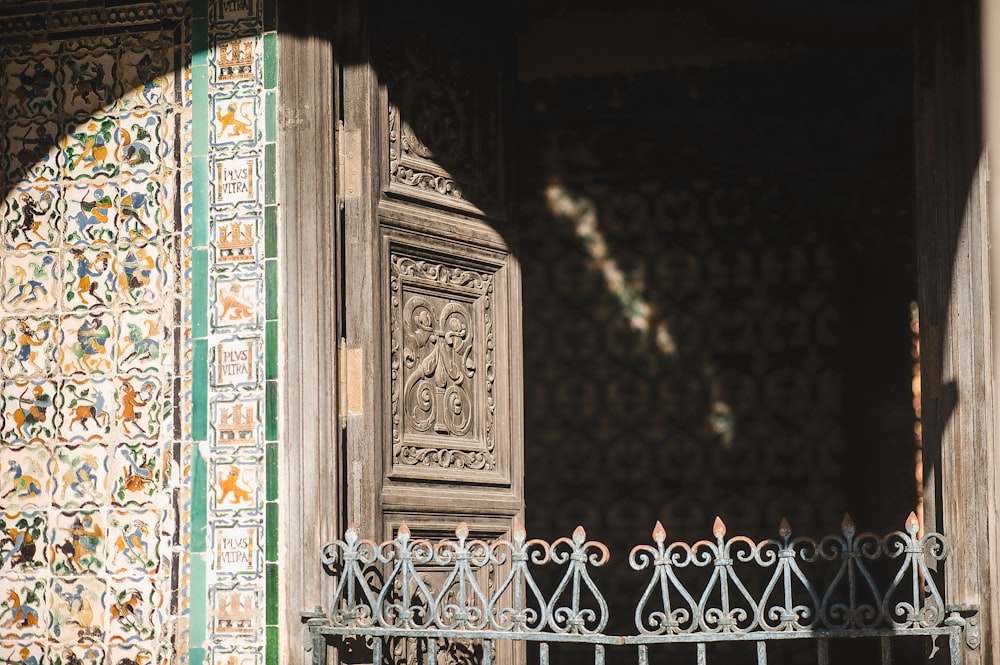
[
  {"x": 143, "y": 82},
  {"x": 237, "y": 611},
  {"x": 133, "y": 611},
  {"x": 237, "y": 549},
  {"x": 78, "y": 543},
  {"x": 89, "y": 277},
  {"x": 229, "y": 655},
  {"x": 30, "y": 87},
  {"x": 235, "y": 60},
  {"x": 91, "y": 213},
  {"x": 237, "y": 423},
  {"x": 23, "y": 542},
  {"x": 234, "y": 10},
  {"x": 236, "y": 303},
  {"x": 86, "y": 409},
  {"x": 133, "y": 541},
  {"x": 236, "y": 486},
  {"x": 235, "y": 181},
  {"x": 23, "y": 608},
  {"x": 88, "y": 76},
  {"x": 140, "y": 142},
  {"x": 137, "y": 475},
  {"x": 30, "y": 653},
  {"x": 237, "y": 241},
  {"x": 142, "y": 653},
  {"x": 87, "y": 344},
  {"x": 28, "y": 412},
  {"x": 139, "y": 209},
  {"x": 77, "y": 610},
  {"x": 33, "y": 153},
  {"x": 90, "y": 148},
  {"x": 77, "y": 654},
  {"x": 80, "y": 475},
  {"x": 142, "y": 273},
  {"x": 29, "y": 281},
  {"x": 25, "y": 481},
  {"x": 141, "y": 335},
  {"x": 137, "y": 407},
  {"x": 28, "y": 346},
  {"x": 236, "y": 363},
  {"x": 234, "y": 119},
  {"x": 31, "y": 214}
]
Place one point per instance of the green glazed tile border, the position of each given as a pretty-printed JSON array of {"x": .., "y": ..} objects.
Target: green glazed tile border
[
  {"x": 272, "y": 645},
  {"x": 199, "y": 390},
  {"x": 271, "y": 232},
  {"x": 270, "y": 61},
  {"x": 196, "y": 656},
  {"x": 271, "y": 471},
  {"x": 271, "y": 352},
  {"x": 199, "y": 293},
  {"x": 199, "y": 203},
  {"x": 270, "y": 116},
  {"x": 199, "y": 520},
  {"x": 271, "y": 410},
  {"x": 271, "y": 532},
  {"x": 269, "y": 169},
  {"x": 271, "y": 576},
  {"x": 199, "y": 127},
  {"x": 271, "y": 289}
]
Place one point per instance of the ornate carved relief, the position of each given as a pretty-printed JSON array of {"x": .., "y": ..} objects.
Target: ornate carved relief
[
  {"x": 443, "y": 117},
  {"x": 442, "y": 365}
]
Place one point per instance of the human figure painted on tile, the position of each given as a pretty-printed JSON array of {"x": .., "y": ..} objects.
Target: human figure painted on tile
[
  {"x": 23, "y": 286},
  {"x": 80, "y": 610},
  {"x": 135, "y": 205},
  {"x": 27, "y": 658},
  {"x": 35, "y": 150},
  {"x": 86, "y": 270},
  {"x": 22, "y": 485},
  {"x": 87, "y": 83},
  {"x": 234, "y": 306},
  {"x": 82, "y": 478},
  {"x": 95, "y": 213},
  {"x": 22, "y": 547},
  {"x": 135, "y": 147},
  {"x": 91, "y": 346},
  {"x": 137, "y": 269},
  {"x": 138, "y": 345},
  {"x": 81, "y": 547},
  {"x": 93, "y": 149},
  {"x": 131, "y": 402},
  {"x": 35, "y": 411},
  {"x": 31, "y": 213},
  {"x": 33, "y": 86},
  {"x": 27, "y": 341}
]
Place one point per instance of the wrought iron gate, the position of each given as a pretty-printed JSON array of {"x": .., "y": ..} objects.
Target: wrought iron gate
[{"x": 723, "y": 589}]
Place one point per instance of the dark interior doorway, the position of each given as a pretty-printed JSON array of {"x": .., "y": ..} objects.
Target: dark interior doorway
[{"x": 717, "y": 245}]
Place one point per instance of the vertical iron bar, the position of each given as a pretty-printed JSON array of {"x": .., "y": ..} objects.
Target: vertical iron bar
[
  {"x": 822, "y": 651},
  {"x": 955, "y": 646},
  {"x": 886, "y": 650},
  {"x": 487, "y": 652},
  {"x": 377, "y": 650},
  {"x": 761, "y": 652},
  {"x": 598, "y": 654},
  {"x": 643, "y": 655},
  {"x": 318, "y": 649},
  {"x": 543, "y": 653},
  {"x": 702, "y": 656},
  {"x": 432, "y": 651}
]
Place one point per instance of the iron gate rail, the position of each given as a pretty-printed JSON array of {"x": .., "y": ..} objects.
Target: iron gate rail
[{"x": 724, "y": 589}]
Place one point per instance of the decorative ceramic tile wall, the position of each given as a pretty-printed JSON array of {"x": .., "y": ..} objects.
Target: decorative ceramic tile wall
[
  {"x": 93, "y": 321},
  {"x": 234, "y": 92},
  {"x": 138, "y": 323}
]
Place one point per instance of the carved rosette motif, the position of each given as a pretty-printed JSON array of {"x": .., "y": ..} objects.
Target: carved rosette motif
[{"x": 440, "y": 367}]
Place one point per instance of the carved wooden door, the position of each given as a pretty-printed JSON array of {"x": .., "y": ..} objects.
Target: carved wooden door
[{"x": 432, "y": 341}]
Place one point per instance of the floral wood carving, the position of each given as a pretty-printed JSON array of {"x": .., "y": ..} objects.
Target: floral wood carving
[{"x": 441, "y": 397}]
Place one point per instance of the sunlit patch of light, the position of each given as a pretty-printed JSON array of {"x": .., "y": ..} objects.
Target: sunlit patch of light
[{"x": 581, "y": 212}]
